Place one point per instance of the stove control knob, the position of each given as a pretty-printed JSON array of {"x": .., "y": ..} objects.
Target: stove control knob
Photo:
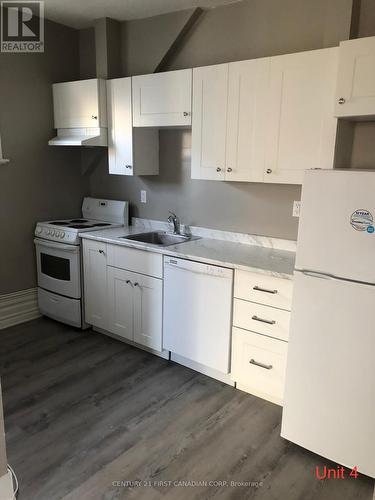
[
  {"x": 48, "y": 232},
  {"x": 38, "y": 230},
  {"x": 57, "y": 233},
  {"x": 52, "y": 232},
  {"x": 62, "y": 234}
]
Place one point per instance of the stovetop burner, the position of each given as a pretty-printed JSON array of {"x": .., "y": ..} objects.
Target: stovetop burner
[
  {"x": 101, "y": 224},
  {"x": 59, "y": 223},
  {"x": 80, "y": 226},
  {"x": 78, "y": 221}
]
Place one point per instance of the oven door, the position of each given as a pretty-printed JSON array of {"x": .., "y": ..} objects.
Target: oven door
[{"x": 59, "y": 267}]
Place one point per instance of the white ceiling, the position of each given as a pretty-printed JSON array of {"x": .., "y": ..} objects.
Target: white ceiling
[{"x": 82, "y": 13}]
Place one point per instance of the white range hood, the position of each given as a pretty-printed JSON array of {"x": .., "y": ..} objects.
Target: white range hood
[{"x": 80, "y": 137}]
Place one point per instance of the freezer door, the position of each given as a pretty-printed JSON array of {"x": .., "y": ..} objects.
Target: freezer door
[
  {"x": 336, "y": 233},
  {"x": 329, "y": 400}
]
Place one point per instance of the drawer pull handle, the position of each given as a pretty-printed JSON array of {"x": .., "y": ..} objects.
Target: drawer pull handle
[
  {"x": 256, "y": 363},
  {"x": 262, "y": 320},
  {"x": 102, "y": 252},
  {"x": 266, "y": 290}
]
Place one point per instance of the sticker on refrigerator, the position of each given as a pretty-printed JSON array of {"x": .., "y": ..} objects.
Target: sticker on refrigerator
[{"x": 362, "y": 220}]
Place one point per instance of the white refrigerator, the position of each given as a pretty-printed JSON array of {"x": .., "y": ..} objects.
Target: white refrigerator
[{"x": 329, "y": 400}]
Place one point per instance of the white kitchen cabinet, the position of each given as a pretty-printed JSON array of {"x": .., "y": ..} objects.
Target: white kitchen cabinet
[
  {"x": 120, "y": 302},
  {"x": 162, "y": 99},
  {"x": 148, "y": 311},
  {"x": 209, "y": 123},
  {"x": 95, "y": 280},
  {"x": 355, "y": 93},
  {"x": 135, "y": 305},
  {"x": 80, "y": 104},
  {"x": 261, "y": 317},
  {"x": 130, "y": 151},
  {"x": 259, "y": 364},
  {"x": 301, "y": 127},
  {"x": 246, "y": 123}
]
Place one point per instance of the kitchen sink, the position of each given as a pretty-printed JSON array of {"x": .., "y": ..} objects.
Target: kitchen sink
[{"x": 160, "y": 238}]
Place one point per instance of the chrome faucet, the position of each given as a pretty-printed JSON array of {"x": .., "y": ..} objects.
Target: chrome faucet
[{"x": 175, "y": 221}]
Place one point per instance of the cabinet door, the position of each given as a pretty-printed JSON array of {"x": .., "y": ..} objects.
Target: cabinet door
[
  {"x": 209, "y": 124},
  {"x": 120, "y": 128},
  {"x": 162, "y": 99},
  {"x": 120, "y": 302},
  {"x": 80, "y": 104},
  {"x": 355, "y": 94},
  {"x": 130, "y": 151},
  {"x": 246, "y": 127},
  {"x": 148, "y": 311},
  {"x": 301, "y": 130},
  {"x": 95, "y": 279}
]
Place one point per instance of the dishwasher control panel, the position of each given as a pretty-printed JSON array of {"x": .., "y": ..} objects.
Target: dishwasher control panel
[{"x": 194, "y": 266}]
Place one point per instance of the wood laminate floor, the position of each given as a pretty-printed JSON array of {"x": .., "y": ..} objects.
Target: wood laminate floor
[{"x": 85, "y": 413}]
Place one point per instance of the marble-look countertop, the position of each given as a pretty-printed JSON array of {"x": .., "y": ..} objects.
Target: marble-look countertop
[{"x": 219, "y": 252}]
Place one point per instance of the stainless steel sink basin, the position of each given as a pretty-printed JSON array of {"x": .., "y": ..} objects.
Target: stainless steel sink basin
[{"x": 159, "y": 238}]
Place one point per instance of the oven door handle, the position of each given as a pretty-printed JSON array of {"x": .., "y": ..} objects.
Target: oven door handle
[{"x": 57, "y": 246}]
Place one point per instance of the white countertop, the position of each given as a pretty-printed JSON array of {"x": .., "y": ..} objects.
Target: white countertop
[{"x": 229, "y": 254}]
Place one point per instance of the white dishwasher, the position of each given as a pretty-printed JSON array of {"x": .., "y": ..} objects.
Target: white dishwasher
[{"x": 197, "y": 313}]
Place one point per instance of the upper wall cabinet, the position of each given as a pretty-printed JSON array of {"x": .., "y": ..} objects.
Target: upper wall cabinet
[
  {"x": 246, "y": 120},
  {"x": 209, "y": 126},
  {"x": 229, "y": 121},
  {"x": 162, "y": 99},
  {"x": 80, "y": 104},
  {"x": 355, "y": 94},
  {"x": 130, "y": 151},
  {"x": 301, "y": 128},
  {"x": 264, "y": 120}
]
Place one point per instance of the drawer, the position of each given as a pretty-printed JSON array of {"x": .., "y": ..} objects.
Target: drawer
[
  {"x": 261, "y": 319},
  {"x": 264, "y": 289},
  {"x": 138, "y": 261},
  {"x": 258, "y": 365}
]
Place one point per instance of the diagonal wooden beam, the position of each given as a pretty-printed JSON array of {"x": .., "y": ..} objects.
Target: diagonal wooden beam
[{"x": 191, "y": 20}]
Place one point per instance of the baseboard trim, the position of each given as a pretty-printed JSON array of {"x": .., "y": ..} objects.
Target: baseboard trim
[
  {"x": 18, "y": 307},
  {"x": 6, "y": 487}
]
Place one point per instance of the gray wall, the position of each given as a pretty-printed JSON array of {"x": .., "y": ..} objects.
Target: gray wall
[
  {"x": 244, "y": 30},
  {"x": 41, "y": 182}
]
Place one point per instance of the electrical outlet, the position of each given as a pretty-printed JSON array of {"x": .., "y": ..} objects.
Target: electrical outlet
[
  {"x": 143, "y": 196},
  {"x": 296, "y": 208}
]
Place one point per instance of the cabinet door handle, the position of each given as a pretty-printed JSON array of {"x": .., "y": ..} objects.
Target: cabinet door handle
[
  {"x": 265, "y": 290},
  {"x": 262, "y": 320},
  {"x": 136, "y": 284},
  {"x": 229, "y": 169},
  {"x": 218, "y": 169},
  {"x": 94, "y": 117},
  {"x": 128, "y": 282},
  {"x": 262, "y": 365},
  {"x": 341, "y": 100},
  {"x": 102, "y": 252},
  {"x": 269, "y": 171},
  {"x": 128, "y": 166},
  {"x": 186, "y": 113}
]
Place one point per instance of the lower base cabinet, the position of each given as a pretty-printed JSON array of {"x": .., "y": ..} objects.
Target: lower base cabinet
[
  {"x": 95, "y": 280},
  {"x": 261, "y": 316},
  {"x": 135, "y": 305},
  {"x": 126, "y": 303},
  {"x": 259, "y": 364}
]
